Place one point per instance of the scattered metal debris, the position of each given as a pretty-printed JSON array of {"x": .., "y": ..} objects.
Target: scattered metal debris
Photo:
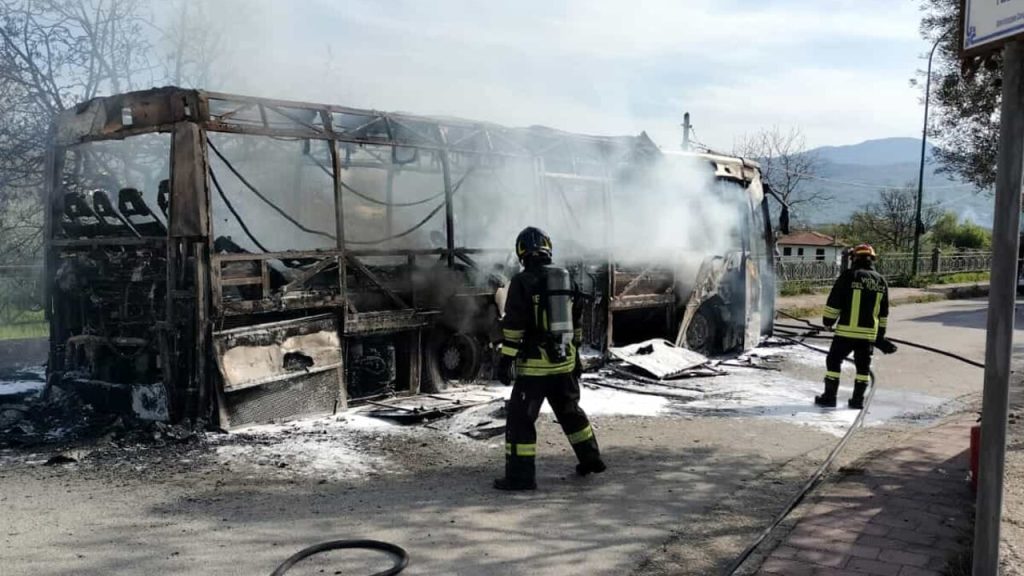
[
  {"x": 425, "y": 408},
  {"x": 660, "y": 358}
]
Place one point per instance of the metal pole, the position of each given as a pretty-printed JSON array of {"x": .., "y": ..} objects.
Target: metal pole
[
  {"x": 924, "y": 144},
  {"x": 389, "y": 195},
  {"x": 999, "y": 343},
  {"x": 449, "y": 209},
  {"x": 686, "y": 131},
  {"x": 339, "y": 213}
]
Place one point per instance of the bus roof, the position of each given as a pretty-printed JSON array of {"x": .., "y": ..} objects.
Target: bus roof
[{"x": 158, "y": 109}]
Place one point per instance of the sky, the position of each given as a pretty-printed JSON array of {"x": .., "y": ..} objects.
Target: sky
[{"x": 839, "y": 70}]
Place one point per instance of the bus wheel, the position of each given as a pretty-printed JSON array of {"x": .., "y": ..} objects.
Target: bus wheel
[
  {"x": 702, "y": 334},
  {"x": 452, "y": 357}
]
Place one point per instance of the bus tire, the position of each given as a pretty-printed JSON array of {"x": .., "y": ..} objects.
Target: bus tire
[
  {"x": 704, "y": 332},
  {"x": 451, "y": 358}
]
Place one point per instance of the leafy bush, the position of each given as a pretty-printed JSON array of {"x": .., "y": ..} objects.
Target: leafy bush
[{"x": 950, "y": 231}]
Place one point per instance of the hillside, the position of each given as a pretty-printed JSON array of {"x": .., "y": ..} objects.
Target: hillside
[
  {"x": 854, "y": 175},
  {"x": 874, "y": 152}
]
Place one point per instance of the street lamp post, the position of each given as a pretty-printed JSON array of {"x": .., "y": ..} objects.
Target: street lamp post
[{"x": 918, "y": 225}]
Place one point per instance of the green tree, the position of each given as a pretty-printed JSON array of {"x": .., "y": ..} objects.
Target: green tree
[
  {"x": 944, "y": 229},
  {"x": 948, "y": 231},
  {"x": 965, "y": 98}
]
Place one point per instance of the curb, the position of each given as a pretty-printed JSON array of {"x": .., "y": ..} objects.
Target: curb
[{"x": 962, "y": 292}]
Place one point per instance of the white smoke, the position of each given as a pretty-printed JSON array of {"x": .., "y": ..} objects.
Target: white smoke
[{"x": 367, "y": 57}]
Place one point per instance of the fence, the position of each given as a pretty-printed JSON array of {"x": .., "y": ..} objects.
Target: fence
[
  {"x": 892, "y": 265},
  {"x": 20, "y": 294}
]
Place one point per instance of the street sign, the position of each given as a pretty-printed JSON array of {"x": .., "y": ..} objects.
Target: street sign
[{"x": 988, "y": 24}]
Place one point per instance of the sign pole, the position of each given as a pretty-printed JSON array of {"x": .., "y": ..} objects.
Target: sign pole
[{"x": 1002, "y": 295}]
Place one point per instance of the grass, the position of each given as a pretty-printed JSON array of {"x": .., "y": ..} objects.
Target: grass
[
  {"x": 804, "y": 311},
  {"x": 28, "y": 325},
  {"x": 962, "y": 278},
  {"x": 799, "y": 289}
]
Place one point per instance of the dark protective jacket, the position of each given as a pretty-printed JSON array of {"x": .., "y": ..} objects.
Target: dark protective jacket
[
  {"x": 858, "y": 305},
  {"x": 525, "y": 326}
]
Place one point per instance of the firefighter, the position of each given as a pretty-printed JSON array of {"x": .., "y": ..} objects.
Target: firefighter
[
  {"x": 541, "y": 334},
  {"x": 858, "y": 311}
]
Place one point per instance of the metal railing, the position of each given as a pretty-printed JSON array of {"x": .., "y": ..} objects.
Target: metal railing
[{"x": 892, "y": 266}]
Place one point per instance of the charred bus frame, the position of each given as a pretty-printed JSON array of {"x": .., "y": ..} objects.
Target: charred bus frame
[{"x": 222, "y": 333}]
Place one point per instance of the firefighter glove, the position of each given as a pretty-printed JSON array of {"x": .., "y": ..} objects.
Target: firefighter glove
[
  {"x": 577, "y": 370},
  {"x": 507, "y": 370},
  {"x": 885, "y": 345}
]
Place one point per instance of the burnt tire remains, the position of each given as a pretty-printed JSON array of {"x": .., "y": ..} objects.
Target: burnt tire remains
[
  {"x": 703, "y": 333},
  {"x": 451, "y": 358}
]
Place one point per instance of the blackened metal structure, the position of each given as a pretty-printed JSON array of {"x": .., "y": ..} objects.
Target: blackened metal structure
[{"x": 158, "y": 306}]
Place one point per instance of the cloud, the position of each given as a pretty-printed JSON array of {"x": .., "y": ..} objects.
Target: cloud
[
  {"x": 838, "y": 69},
  {"x": 832, "y": 106}
]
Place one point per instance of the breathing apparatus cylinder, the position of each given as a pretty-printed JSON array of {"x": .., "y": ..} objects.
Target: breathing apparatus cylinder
[{"x": 557, "y": 306}]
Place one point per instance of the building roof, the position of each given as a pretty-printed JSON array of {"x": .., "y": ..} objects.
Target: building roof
[{"x": 807, "y": 238}]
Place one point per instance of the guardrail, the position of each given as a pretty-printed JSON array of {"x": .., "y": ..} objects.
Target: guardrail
[{"x": 892, "y": 265}]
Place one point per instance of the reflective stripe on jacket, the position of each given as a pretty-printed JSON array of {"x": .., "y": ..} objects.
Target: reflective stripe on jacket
[{"x": 858, "y": 304}]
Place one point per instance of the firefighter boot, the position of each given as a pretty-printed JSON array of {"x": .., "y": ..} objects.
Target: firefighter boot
[
  {"x": 584, "y": 444},
  {"x": 856, "y": 401},
  {"x": 591, "y": 466},
  {"x": 828, "y": 398},
  {"x": 520, "y": 471}
]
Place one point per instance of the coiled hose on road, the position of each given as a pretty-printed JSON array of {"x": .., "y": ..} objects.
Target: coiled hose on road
[
  {"x": 815, "y": 331},
  {"x": 398, "y": 554}
]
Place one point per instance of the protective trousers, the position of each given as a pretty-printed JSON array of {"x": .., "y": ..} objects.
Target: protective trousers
[
  {"x": 562, "y": 392},
  {"x": 837, "y": 353}
]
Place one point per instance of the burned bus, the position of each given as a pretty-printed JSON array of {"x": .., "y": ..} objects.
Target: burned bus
[{"x": 237, "y": 260}]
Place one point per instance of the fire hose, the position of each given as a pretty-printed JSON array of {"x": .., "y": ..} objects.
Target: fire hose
[
  {"x": 814, "y": 331},
  {"x": 820, "y": 328},
  {"x": 797, "y": 498},
  {"x": 398, "y": 554}
]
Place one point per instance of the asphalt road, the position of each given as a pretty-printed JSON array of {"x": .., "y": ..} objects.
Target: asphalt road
[
  {"x": 957, "y": 326},
  {"x": 694, "y": 485}
]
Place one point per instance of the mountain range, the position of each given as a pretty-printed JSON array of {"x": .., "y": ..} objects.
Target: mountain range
[{"x": 854, "y": 175}]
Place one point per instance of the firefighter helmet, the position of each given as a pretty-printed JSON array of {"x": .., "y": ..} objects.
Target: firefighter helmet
[
  {"x": 864, "y": 251},
  {"x": 532, "y": 242}
]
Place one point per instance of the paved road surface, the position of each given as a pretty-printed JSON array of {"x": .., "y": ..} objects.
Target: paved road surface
[{"x": 705, "y": 482}]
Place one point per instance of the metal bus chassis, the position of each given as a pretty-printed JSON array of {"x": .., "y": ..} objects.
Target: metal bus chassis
[{"x": 159, "y": 315}]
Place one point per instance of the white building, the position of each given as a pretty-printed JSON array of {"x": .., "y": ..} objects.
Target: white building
[{"x": 807, "y": 245}]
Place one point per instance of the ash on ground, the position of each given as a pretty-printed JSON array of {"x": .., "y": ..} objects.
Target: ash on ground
[{"x": 774, "y": 382}]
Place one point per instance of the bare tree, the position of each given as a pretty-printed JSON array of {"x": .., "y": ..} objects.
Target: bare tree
[
  {"x": 54, "y": 54},
  {"x": 786, "y": 165},
  {"x": 191, "y": 45},
  {"x": 889, "y": 222}
]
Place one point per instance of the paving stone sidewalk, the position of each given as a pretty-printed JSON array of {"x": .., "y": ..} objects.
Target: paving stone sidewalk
[{"x": 903, "y": 514}]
